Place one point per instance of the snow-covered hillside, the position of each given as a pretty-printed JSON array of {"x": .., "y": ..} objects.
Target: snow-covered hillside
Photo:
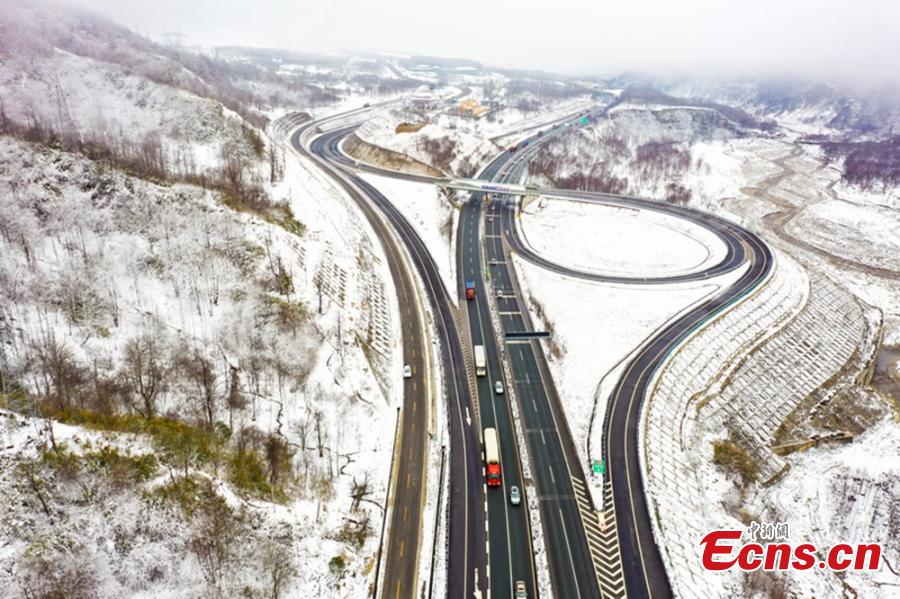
[
  {"x": 452, "y": 151},
  {"x": 190, "y": 316},
  {"x": 125, "y": 297}
]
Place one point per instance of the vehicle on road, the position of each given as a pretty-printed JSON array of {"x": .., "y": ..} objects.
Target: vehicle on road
[
  {"x": 500, "y": 293},
  {"x": 470, "y": 290},
  {"x": 407, "y": 371},
  {"x": 512, "y": 149},
  {"x": 498, "y": 387},
  {"x": 540, "y": 133},
  {"x": 521, "y": 592},
  {"x": 515, "y": 498},
  {"x": 480, "y": 361},
  {"x": 366, "y": 105},
  {"x": 491, "y": 458}
]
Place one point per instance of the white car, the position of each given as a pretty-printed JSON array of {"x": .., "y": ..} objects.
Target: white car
[
  {"x": 498, "y": 387},
  {"x": 407, "y": 371},
  {"x": 515, "y": 497},
  {"x": 521, "y": 593}
]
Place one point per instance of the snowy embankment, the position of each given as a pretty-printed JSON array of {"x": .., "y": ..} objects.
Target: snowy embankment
[
  {"x": 617, "y": 240},
  {"x": 595, "y": 326},
  {"x": 433, "y": 217},
  {"x": 452, "y": 151}
]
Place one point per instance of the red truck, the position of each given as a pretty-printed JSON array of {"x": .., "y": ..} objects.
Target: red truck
[
  {"x": 470, "y": 290},
  {"x": 492, "y": 458}
]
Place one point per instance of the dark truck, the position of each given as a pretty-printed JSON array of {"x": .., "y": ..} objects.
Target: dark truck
[{"x": 470, "y": 290}]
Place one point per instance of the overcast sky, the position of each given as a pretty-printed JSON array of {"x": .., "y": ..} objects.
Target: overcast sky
[{"x": 814, "y": 38}]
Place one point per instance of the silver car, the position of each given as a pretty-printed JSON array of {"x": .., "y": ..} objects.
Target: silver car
[
  {"x": 515, "y": 497},
  {"x": 498, "y": 387}
]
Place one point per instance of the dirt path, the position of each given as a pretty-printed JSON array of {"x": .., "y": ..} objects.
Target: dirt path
[{"x": 777, "y": 221}]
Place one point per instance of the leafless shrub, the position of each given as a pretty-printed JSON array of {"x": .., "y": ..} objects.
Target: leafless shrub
[
  {"x": 528, "y": 105},
  {"x": 660, "y": 159},
  {"x": 56, "y": 373},
  {"x": 79, "y": 299},
  {"x": 442, "y": 151},
  {"x": 107, "y": 392},
  {"x": 57, "y": 574},
  {"x": 760, "y": 583},
  {"x": 868, "y": 164},
  {"x": 199, "y": 371},
  {"x": 215, "y": 536},
  {"x": 544, "y": 89},
  {"x": 598, "y": 178},
  {"x": 279, "y": 459},
  {"x": 234, "y": 396},
  {"x": 278, "y": 565},
  {"x": 741, "y": 117},
  {"x": 144, "y": 372},
  {"x": 678, "y": 194}
]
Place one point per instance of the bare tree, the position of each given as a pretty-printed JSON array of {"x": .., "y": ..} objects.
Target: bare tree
[
  {"x": 199, "y": 370},
  {"x": 57, "y": 575},
  {"x": 56, "y": 372},
  {"x": 279, "y": 459},
  {"x": 144, "y": 372},
  {"x": 278, "y": 565},
  {"x": 214, "y": 538},
  {"x": 234, "y": 397}
]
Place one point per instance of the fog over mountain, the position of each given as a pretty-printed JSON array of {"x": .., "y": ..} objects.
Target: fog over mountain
[{"x": 831, "y": 39}]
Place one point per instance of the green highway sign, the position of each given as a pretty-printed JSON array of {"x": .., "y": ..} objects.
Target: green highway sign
[{"x": 599, "y": 466}]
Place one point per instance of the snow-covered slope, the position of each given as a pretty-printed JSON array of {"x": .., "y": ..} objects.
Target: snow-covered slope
[
  {"x": 454, "y": 152},
  {"x": 254, "y": 330}
]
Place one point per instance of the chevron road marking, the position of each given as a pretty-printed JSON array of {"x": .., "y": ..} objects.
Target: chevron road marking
[{"x": 602, "y": 540}]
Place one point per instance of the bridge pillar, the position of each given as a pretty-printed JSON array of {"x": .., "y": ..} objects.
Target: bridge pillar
[
  {"x": 452, "y": 195},
  {"x": 527, "y": 199}
]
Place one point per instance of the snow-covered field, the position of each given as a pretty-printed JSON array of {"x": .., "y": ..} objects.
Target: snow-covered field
[
  {"x": 597, "y": 325},
  {"x": 868, "y": 233},
  {"x": 615, "y": 240}
]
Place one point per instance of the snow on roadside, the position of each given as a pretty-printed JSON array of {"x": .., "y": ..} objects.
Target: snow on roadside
[
  {"x": 597, "y": 325},
  {"x": 612, "y": 239},
  {"x": 451, "y": 150},
  {"x": 432, "y": 216}
]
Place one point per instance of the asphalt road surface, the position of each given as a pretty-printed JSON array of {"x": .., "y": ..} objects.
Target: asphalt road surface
[
  {"x": 467, "y": 566},
  {"x": 556, "y": 467}
]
